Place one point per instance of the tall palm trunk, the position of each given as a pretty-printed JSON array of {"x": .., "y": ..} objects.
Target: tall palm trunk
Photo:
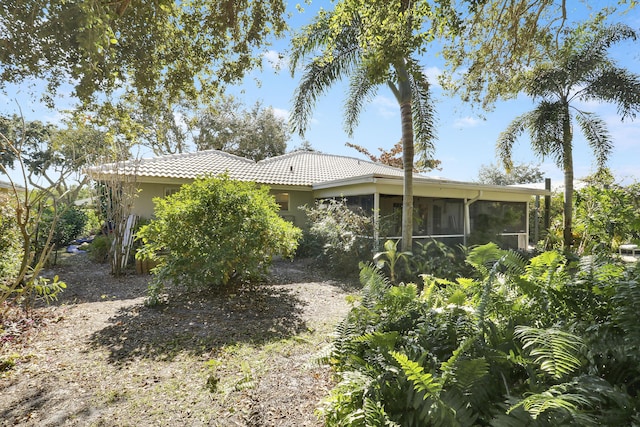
[
  {"x": 567, "y": 152},
  {"x": 407, "y": 164},
  {"x": 406, "y": 117}
]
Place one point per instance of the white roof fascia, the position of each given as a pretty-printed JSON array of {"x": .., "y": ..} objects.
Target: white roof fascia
[{"x": 439, "y": 182}]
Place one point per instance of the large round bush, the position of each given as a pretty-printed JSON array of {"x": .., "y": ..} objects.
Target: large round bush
[{"x": 215, "y": 231}]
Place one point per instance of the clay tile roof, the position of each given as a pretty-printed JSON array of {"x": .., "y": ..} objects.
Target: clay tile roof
[
  {"x": 296, "y": 168},
  {"x": 309, "y": 167}
]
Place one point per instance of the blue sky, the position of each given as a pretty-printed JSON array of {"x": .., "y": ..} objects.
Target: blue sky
[{"x": 465, "y": 141}]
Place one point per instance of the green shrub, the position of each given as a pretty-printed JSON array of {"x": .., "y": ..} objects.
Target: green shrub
[
  {"x": 93, "y": 224},
  {"x": 541, "y": 342},
  {"x": 69, "y": 223},
  {"x": 10, "y": 241},
  {"x": 216, "y": 231},
  {"x": 439, "y": 260},
  {"x": 99, "y": 249},
  {"x": 338, "y": 236}
]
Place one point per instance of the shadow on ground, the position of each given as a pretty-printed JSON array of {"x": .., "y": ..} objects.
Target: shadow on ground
[
  {"x": 197, "y": 323},
  {"x": 88, "y": 281}
]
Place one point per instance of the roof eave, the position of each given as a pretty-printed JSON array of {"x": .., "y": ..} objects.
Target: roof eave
[{"x": 390, "y": 179}]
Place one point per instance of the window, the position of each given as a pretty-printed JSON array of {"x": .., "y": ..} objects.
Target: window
[
  {"x": 282, "y": 199},
  {"x": 170, "y": 190},
  {"x": 498, "y": 217}
]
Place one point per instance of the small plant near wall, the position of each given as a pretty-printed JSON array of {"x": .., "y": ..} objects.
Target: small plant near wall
[{"x": 338, "y": 235}]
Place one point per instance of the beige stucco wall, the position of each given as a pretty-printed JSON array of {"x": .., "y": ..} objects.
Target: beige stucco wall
[
  {"x": 297, "y": 198},
  {"x": 143, "y": 203}
]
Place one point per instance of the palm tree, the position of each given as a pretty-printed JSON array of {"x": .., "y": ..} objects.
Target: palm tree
[
  {"x": 579, "y": 70},
  {"x": 343, "y": 55}
]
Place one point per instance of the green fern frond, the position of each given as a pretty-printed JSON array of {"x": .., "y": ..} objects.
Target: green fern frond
[
  {"x": 547, "y": 269},
  {"x": 375, "y": 414},
  {"x": 379, "y": 340},
  {"x": 627, "y": 301},
  {"x": 469, "y": 372},
  {"x": 556, "y": 400},
  {"x": 483, "y": 257},
  {"x": 374, "y": 284},
  {"x": 422, "y": 381},
  {"x": 323, "y": 357},
  {"x": 556, "y": 351}
]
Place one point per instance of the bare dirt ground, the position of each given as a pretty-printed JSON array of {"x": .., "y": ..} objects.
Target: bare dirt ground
[{"x": 102, "y": 357}]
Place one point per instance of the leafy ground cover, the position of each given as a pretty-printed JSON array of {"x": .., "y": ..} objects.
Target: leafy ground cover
[{"x": 101, "y": 357}]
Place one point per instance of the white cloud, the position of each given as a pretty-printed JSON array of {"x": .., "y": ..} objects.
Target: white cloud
[
  {"x": 281, "y": 113},
  {"x": 276, "y": 60},
  {"x": 433, "y": 74},
  {"x": 385, "y": 107},
  {"x": 467, "y": 122}
]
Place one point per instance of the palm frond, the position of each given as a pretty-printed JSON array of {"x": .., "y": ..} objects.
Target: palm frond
[
  {"x": 584, "y": 54},
  {"x": 310, "y": 40},
  {"x": 547, "y": 81},
  {"x": 617, "y": 86},
  {"x": 556, "y": 351},
  {"x": 361, "y": 91},
  {"x": 319, "y": 75},
  {"x": 423, "y": 110},
  {"x": 508, "y": 137},
  {"x": 339, "y": 57},
  {"x": 595, "y": 131},
  {"x": 547, "y": 132}
]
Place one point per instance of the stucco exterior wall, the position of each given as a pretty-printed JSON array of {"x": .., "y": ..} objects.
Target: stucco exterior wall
[
  {"x": 143, "y": 203},
  {"x": 296, "y": 199}
]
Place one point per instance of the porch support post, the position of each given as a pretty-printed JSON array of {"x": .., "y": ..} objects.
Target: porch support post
[
  {"x": 376, "y": 219},
  {"x": 467, "y": 216},
  {"x": 467, "y": 222}
]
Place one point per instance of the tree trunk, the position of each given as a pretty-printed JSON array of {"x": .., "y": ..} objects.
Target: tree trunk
[
  {"x": 407, "y": 161},
  {"x": 567, "y": 152}
]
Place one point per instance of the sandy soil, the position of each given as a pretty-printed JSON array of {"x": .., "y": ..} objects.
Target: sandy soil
[{"x": 101, "y": 357}]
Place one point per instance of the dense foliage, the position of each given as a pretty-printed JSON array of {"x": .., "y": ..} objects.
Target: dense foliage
[
  {"x": 338, "y": 236},
  {"x": 255, "y": 134},
  {"x": 544, "y": 342},
  {"x": 521, "y": 173},
  {"x": 69, "y": 222},
  {"x": 216, "y": 231},
  {"x": 606, "y": 215},
  {"x": 10, "y": 247},
  {"x": 152, "y": 48}
]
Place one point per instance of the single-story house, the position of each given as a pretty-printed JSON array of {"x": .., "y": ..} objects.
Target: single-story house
[
  {"x": 447, "y": 210},
  {"x": 7, "y": 187}
]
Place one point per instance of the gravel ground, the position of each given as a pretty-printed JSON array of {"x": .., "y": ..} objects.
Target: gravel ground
[{"x": 101, "y": 357}]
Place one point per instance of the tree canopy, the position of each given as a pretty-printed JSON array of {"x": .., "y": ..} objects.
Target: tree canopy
[
  {"x": 256, "y": 134},
  {"x": 523, "y": 173},
  {"x": 499, "y": 39},
  {"x": 580, "y": 70},
  {"x": 373, "y": 43},
  {"x": 179, "y": 48}
]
